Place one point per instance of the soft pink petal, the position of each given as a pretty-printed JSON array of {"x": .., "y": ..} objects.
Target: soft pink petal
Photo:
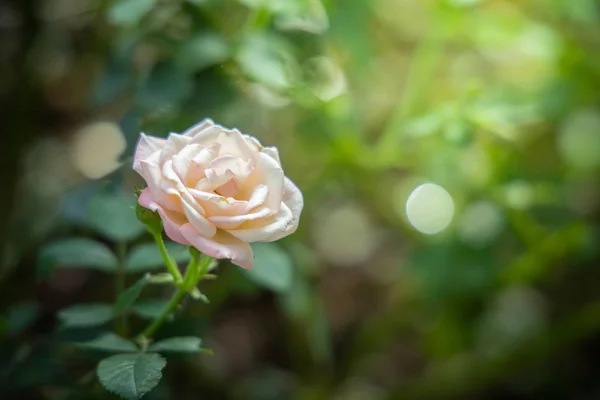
[
  {"x": 203, "y": 132},
  {"x": 232, "y": 222},
  {"x": 201, "y": 224},
  {"x": 222, "y": 245},
  {"x": 258, "y": 197},
  {"x": 268, "y": 173},
  {"x": 284, "y": 223},
  {"x": 215, "y": 204},
  {"x": 151, "y": 172},
  {"x": 182, "y": 161},
  {"x": 174, "y": 144},
  {"x": 172, "y": 221},
  {"x": 256, "y": 145},
  {"x": 145, "y": 147},
  {"x": 233, "y": 143},
  {"x": 273, "y": 153},
  {"x": 222, "y": 164},
  {"x": 268, "y": 229}
]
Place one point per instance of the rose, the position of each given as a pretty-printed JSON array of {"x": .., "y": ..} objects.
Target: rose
[{"x": 217, "y": 190}]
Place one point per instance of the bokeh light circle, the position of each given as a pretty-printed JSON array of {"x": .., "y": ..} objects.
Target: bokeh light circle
[{"x": 430, "y": 208}]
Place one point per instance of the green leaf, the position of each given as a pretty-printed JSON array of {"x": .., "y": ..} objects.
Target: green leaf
[
  {"x": 129, "y": 296},
  {"x": 128, "y": 12},
  {"x": 109, "y": 342},
  {"x": 20, "y": 316},
  {"x": 202, "y": 51},
  {"x": 113, "y": 216},
  {"x": 146, "y": 257},
  {"x": 188, "y": 344},
  {"x": 167, "y": 86},
  {"x": 75, "y": 253},
  {"x": 131, "y": 376},
  {"x": 272, "y": 267},
  {"x": 266, "y": 59},
  {"x": 304, "y": 15},
  {"x": 149, "y": 308},
  {"x": 85, "y": 315},
  {"x": 111, "y": 84}
]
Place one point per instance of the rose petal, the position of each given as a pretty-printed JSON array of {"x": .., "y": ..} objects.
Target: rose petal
[
  {"x": 273, "y": 153},
  {"x": 284, "y": 223},
  {"x": 233, "y": 143},
  {"x": 216, "y": 205},
  {"x": 264, "y": 230},
  {"x": 222, "y": 164},
  {"x": 182, "y": 161},
  {"x": 256, "y": 145},
  {"x": 151, "y": 172},
  {"x": 172, "y": 221},
  {"x": 258, "y": 197},
  {"x": 221, "y": 245},
  {"x": 204, "y": 131},
  {"x": 145, "y": 147},
  {"x": 174, "y": 144},
  {"x": 232, "y": 222},
  {"x": 268, "y": 173},
  {"x": 201, "y": 224}
]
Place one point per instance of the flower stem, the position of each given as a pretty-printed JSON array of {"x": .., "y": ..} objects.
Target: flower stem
[
  {"x": 194, "y": 273},
  {"x": 170, "y": 264},
  {"x": 169, "y": 308}
]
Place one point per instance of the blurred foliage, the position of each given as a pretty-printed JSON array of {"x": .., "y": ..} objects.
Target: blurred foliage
[{"x": 496, "y": 101}]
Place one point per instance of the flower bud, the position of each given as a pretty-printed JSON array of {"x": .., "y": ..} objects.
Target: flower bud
[{"x": 150, "y": 219}]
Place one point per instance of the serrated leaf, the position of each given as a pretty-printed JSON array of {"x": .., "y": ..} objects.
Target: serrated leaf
[
  {"x": 75, "y": 253},
  {"x": 147, "y": 257},
  {"x": 128, "y": 12},
  {"x": 131, "y": 376},
  {"x": 109, "y": 342},
  {"x": 149, "y": 308},
  {"x": 129, "y": 296},
  {"x": 86, "y": 315},
  {"x": 187, "y": 344},
  {"x": 113, "y": 216},
  {"x": 272, "y": 267}
]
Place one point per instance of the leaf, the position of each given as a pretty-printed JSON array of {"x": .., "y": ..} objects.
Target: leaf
[
  {"x": 109, "y": 342},
  {"x": 113, "y": 215},
  {"x": 304, "y": 15},
  {"x": 129, "y": 296},
  {"x": 272, "y": 267},
  {"x": 146, "y": 257},
  {"x": 149, "y": 308},
  {"x": 188, "y": 344},
  {"x": 75, "y": 253},
  {"x": 85, "y": 315},
  {"x": 128, "y": 12},
  {"x": 111, "y": 84},
  {"x": 131, "y": 376},
  {"x": 20, "y": 316},
  {"x": 266, "y": 59},
  {"x": 167, "y": 86},
  {"x": 202, "y": 51}
]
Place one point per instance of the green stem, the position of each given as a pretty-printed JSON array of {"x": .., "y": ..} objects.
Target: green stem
[
  {"x": 194, "y": 273},
  {"x": 171, "y": 266},
  {"x": 169, "y": 308},
  {"x": 121, "y": 250}
]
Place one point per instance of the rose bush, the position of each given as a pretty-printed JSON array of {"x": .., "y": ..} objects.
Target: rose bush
[{"x": 217, "y": 190}]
